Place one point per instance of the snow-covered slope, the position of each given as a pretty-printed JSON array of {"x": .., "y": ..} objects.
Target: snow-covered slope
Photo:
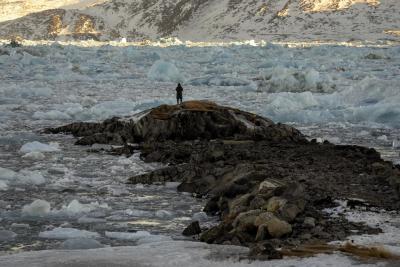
[{"x": 201, "y": 20}]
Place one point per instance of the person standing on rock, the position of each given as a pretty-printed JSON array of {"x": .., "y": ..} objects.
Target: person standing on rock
[{"x": 179, "y": 91}]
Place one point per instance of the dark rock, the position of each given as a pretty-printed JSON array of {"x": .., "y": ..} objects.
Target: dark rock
[
  {"x": 192, "y": 229},
  {"x": 264, "y": 180},
  {"x": 264, "y": 251}
]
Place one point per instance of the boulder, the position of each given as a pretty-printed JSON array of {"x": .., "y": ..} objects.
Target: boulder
[
  {"x": 192, "y": 229},
  {"x": 275, "y": 226},
  {"x": 245, "y": 221},
  {"x": 274, "y": 204}
]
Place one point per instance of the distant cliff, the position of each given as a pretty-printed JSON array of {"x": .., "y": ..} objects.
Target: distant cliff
[{"x": 203, "y": 20}]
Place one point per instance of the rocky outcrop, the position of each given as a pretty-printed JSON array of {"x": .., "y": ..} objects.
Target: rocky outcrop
[
  {"x": 265, "y": 181},
  {"x": 190, "y": 121}
]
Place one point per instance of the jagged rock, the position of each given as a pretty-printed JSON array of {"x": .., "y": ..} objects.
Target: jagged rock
[
  {"x": 192, "y": 229},
  {"x": 189, "y": 121}
]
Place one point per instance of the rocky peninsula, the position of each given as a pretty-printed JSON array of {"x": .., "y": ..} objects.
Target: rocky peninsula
[{"x": 266, "y": 181}]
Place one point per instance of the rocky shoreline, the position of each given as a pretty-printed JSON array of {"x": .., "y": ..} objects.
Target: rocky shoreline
[{"x": 266, "y": 181}]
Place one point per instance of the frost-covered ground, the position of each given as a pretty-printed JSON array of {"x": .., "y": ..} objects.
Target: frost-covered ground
[{"x": 52, "y": 190}]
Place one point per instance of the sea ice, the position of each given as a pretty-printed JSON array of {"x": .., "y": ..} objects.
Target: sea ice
[
  {"x": 6, "y": 235},
  {"x": 165, "y": 71},
  {"x": 75, "y": 207},
  {"x": 153, "y": 239},
  {"x": 200, "y": 216},
  {"x": 140, "y": 237},
  {"x": 23, "y": 177},
  {"x": 396, "y": 143},
  {"x": 35, "y": 155},
  {"x": 171, "y": 254},
  {"x": 67, "y": 233},
  {"x": 3, "y": 186},
  {"x": 7, "y": 174},
  {"x": 38, "y": 147},
  {"x": 128, "y": 236},
  {"x": 30, "y": 177},
  {"x": 81, "y": 243},
  {"x": 164, "y": 214},
  {"x": 382, "y": 138},
  {"x": 38, "y": 207},
  {"x": 51, "y": 115}
]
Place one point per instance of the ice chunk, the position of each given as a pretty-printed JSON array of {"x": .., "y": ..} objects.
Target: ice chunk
[
  {"x": 30, "y": 177},
  {"x": 138, "y": 213},
  {"x": 6, "y": 235},
  {"x": 51, "y": 115},
  {"x": 363, "y": 133},
  {"x": 38, "y": 207},
  {"x": 86, "y": 219},
  {"x": 153, "y": 238},
  {"x": 35, "y": 155},
  {"x": 23, "y": 177},
  {"x": 283, "y": 79},
  {"x": 3, "y": 186},
  {"x": 212, "y": 80},
  {"x": 68, "y": 233},
  {"x": 165, "y": 71},
  {"x": 39, "y": 147},
  {"x": 164, "y": 214},
  {"x": 75, "y": 207},
  {"x": 383, "y": 138},
  {"x": 200, "y": 216},
  {"x": 81, "y": 243},
  {"x": 141, "y": 237},
  {"x": 396, "y": 143},
  {"x": 128, "y": 236},
  {"x": 7, "y": 174},
  {"x": 20, "y": 226}
]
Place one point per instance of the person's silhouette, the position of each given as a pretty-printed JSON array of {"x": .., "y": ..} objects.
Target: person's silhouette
[{"x": 179, "y": 91}]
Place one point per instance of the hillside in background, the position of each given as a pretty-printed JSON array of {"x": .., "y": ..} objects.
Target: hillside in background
[{"x": 202, "y": 20}]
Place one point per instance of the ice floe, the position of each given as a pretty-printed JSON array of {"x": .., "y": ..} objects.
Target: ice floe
[
  {"x": 165, "y": 71},
  {"x": 39, "y": 147},
  {"x": 38, "y": 207},
  {"x": 67, "y": 233}
]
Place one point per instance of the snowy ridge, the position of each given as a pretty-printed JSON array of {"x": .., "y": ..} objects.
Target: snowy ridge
[{"x": 203, "y": 20}]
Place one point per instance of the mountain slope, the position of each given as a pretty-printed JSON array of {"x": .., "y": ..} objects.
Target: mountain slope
[{"x": 201, "y": 20}]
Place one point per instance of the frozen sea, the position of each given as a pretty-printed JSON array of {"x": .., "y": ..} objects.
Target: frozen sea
[{"x": 54, "y": 195}]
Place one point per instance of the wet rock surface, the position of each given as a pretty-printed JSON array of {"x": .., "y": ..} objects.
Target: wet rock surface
[{"x": 265, "y": 181}]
